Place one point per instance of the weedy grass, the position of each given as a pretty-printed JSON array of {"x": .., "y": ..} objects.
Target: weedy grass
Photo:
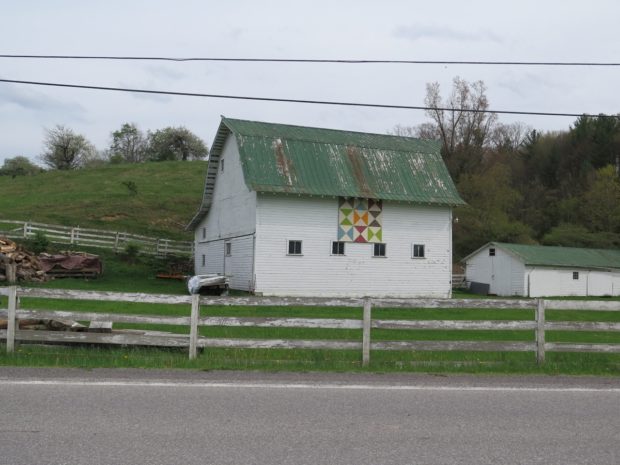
[
  {"x": 167, "y": 194},
  {"x": 311, "y": 360}
]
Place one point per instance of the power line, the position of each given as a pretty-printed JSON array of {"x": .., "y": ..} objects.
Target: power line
[
  {"x": 286, "y": 100},
  {"x": 318, "y": 60}
]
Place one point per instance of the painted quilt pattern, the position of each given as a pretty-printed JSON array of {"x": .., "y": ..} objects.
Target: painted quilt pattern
[{"x": 360, "y": 220}]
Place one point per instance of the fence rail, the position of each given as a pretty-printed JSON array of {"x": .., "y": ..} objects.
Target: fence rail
[
  {"x": 99, "y": 238},
  {"x": 192, "y": 341}
]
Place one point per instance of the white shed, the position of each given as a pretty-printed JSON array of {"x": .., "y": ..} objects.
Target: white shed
[
  {"x": 544, "y": 271},
  {"x": 291, "y": 210}
]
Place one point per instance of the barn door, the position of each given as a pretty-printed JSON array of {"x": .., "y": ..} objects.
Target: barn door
[{"x": 500, "y": 275}]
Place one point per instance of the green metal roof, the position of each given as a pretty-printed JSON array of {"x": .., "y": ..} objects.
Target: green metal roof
[
  {"x": 281, "y": 158},
  {"x": 312, "y": 161},
  {"x": 568, "y": 257}
]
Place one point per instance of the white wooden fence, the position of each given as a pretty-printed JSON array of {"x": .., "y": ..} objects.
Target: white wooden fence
[
  {"x": 114, "y": 240},
  {"x": 191, "y": 340}
]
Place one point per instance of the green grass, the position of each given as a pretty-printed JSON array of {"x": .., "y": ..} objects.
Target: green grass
[
  {"x": 169, "y": 193},
  {"x": 140, "y": 277},
  {"x": 311, "y": 360},
  {"x": 120, "y": 276},
  {"x": 328, "y": 360}
]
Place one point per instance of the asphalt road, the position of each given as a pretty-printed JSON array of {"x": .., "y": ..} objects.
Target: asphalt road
[{"x": 152, "y": 417}]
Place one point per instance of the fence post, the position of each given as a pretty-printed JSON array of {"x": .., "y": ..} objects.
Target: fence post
[
  {"x": 26, "y": 230},
  {"x": 193, "y": 326},
  {"x": 10, "y": 328},
  {"x": 366, "y": 333},
  {"x": 11, "y": 271},
  {"x": 540, "y": 331}
]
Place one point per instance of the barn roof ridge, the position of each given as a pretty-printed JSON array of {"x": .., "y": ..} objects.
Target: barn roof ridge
[{"x": 290, "y": 132}]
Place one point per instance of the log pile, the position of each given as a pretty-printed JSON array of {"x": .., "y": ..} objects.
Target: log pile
[{"x": 27, "y": 265}]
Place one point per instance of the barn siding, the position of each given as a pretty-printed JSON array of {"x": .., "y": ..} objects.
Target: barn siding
[
  {"x": 214, "y": 257},
  {"x": 314, "y": 221},
  {"x": 232, "y": 216},
  {"x": 560, "y": 282},
  {"x": 478, "y": 268},
  {"x": 557, "y": 282},
  {"x": 503, "y": 273}
]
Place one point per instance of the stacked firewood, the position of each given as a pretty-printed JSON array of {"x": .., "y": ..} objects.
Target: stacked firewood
[{"x": 27, "y": 265}]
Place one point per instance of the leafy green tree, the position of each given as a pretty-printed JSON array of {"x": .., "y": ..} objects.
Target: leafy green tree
[
  {"x": 575, "y": 235},
  {"x": 128, "y": 144},
  {"x": 489, "y": 215},
  {"x": 601, "y": 202},
  {"x": 597, "y": 139},
  {"x": 175, "y": 144},
  {"x": 66, "y": 150},
  {"x": 19, "y": 166}
]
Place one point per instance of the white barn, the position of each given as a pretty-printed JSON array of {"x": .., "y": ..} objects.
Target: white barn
[
  {"x": 544, "y": 271},
  {"x": 297, "y": 211}
]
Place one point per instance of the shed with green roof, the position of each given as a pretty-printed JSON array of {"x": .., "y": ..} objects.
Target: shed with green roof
[
  {"x": 537, "y": 271},
  {"x": 301, "y": 210}
]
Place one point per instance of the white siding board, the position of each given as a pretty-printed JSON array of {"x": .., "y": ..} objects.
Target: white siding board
[
  {"x": 478, "y": 268},
  {"x": 546, "y": 282},
  {"x": 314, "y": 221},
  {"x": 504, "y": 273},
  {"x": 215, "y": 258},
  {"x": 599, "y": 283},
  {"x": 615, "y": 284},
  {"x": 238, "y": 266},
  {"x": 232, "y": 216},
  {"x": 517, "y": 277}
]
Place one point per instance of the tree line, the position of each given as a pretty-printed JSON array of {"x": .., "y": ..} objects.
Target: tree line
[
  {"x": 64, "y": 149},
  {"x": 521, "y": 185}
]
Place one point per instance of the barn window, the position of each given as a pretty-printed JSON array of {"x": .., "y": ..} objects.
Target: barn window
[
  {"x": 337, "y": 248},
  {"x": 379, "y": 250},
  {"x": 204, "y": 233},
  {"x": 203, "y": 260},
  {"x": 294, "y": 247},
  {"x": 418, "y": 251},
  {"x": 228, "y": 248},
  {"x": 222, "y": 165},
  {"x": 575, "y": 274},
  {"x": 491, "y": 252}
]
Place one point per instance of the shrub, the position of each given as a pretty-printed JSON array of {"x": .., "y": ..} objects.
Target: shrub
[
  {"x": 131, "y": 186},
  {"x": 39, "y": 243},
  {"x": 131, "y": 253}
]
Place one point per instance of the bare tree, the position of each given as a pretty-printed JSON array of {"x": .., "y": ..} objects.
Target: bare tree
[
  {"x": 65, "y": 150},
  {"x": 421, "y": 131},
  {"x": 462, "y": 120},
  {"x": 509, "y": 137}
]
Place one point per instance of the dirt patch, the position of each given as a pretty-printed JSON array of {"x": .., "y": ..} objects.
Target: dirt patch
[{"x": 115, "y": 217}]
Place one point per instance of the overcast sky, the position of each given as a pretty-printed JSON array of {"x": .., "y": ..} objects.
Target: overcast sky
[{"x": 522, "y": 30}]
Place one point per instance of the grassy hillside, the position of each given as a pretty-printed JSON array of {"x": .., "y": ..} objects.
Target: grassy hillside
[{"x": 166, "y": 197}]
